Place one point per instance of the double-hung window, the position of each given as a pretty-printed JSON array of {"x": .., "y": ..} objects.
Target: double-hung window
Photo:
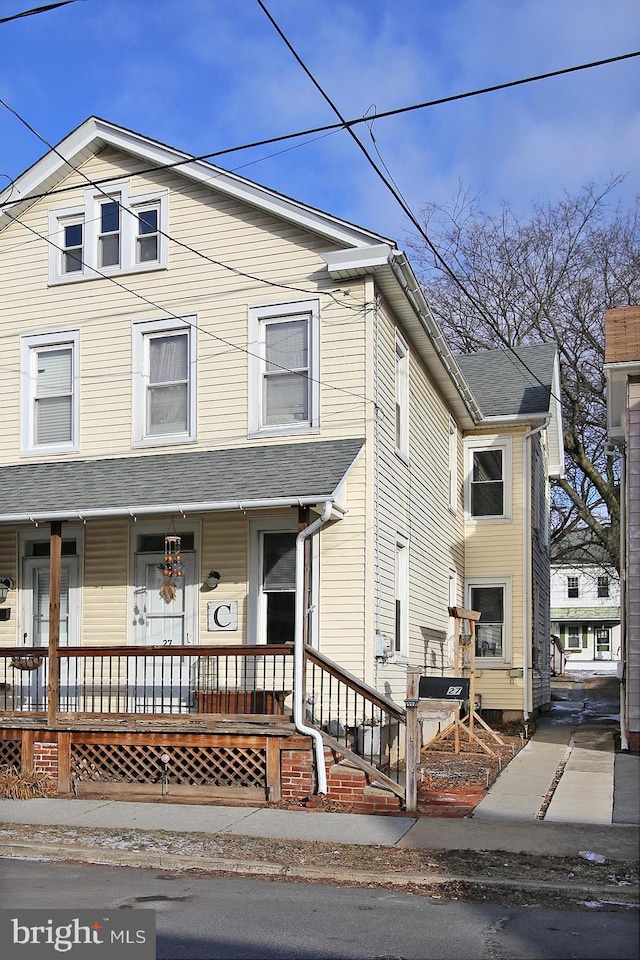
[
  {"x": 573, "y": 588},
  {"x": 284, "y": 369},
  {"x": 603, "y": 586},
  {"x": 72, "y": 252},
  {"x": 109, "y": 236},
  {"x": 492, "y": 599},
  {"x": 112, "y": 232},
  {"x": 488, "y": 487},
  {"x": 49, "y": 375},
  {"x": 164, "y": 382}
]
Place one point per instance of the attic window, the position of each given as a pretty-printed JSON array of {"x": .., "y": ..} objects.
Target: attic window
[{"x": 112, "y": 232}]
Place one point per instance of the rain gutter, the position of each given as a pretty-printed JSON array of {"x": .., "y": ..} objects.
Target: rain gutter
[{"x": 298, "y": 649}]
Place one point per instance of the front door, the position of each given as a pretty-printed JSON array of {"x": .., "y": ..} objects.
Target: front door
[
  {"x": 36, "y": 628},
  {"x": 162, "y": 684}
]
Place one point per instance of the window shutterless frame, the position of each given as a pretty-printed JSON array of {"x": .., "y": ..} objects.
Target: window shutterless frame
[
  {"x": 50, "y": 407},
  {"x": 164, "y": 382},
  {"x": 113, "y": 232},
  {"x": 488, "y": 468},
  {"x": 492, "y": 597},
  {"x": 284, "y": 368}
]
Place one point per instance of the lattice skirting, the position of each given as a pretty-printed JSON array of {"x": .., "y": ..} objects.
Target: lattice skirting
[
  {"x": 151, "y": 763},
  {"x": 11, "y": 753}
]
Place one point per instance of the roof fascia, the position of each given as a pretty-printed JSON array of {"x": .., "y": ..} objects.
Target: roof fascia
[
  {"x": 394, "y": 273},
  {"x": 97, "y": 133}
]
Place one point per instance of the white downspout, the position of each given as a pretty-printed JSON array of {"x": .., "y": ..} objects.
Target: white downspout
[
  {"x": 526, "y": 562},
  {"x": 298, "y": 649}
]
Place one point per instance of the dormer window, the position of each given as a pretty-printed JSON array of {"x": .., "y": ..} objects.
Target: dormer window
[{"x": 111, "y": 233}]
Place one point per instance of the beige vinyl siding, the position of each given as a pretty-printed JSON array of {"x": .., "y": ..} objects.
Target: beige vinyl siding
[
  {"x": 412, "y": 499},
  {"x": 496, "y": 549},
  {"x": 8, "y": 555},
  {"x": 343, "y": 578},
  {"x": 225, "y": 545},
  {"x": 275, "y": 256},
  {"x": 106, "y": 598}
]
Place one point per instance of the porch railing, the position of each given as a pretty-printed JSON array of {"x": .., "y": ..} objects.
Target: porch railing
[
  {"x": 227, "y": 680},
  {"x": 355, "y": 716}
]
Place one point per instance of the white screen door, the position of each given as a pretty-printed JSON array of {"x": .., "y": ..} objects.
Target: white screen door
[
  {"x": 36, "y": 627},
  {"x": 162, "y": 684}
]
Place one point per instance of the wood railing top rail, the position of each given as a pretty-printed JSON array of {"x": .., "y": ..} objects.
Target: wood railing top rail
[
  {"x": 194, "y": 650},
  {"x": 384, "y": 703}
]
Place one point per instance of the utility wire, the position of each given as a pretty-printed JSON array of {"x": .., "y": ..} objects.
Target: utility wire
[
  {"x": 194, "y": 326},
  {"x": 398, "y": 197},
  {"x": 36, "y": 10},
  {"x": 346, "y": 124},
  {"x": 198, "y": 253}
]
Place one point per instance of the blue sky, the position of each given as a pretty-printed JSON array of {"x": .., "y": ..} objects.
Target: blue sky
[{"x": 204, "y": 75}]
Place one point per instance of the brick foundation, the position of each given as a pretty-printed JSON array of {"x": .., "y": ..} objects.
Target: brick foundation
[
  {"x": 633, "y": 739},
  {"x": 347, "y": 787},
  {"x": 45, "y": 758}
]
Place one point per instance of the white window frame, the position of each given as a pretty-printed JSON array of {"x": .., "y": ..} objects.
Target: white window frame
[
  {"x": 401, "y": 599},
  {"x": 142, "y": 331},
  {"x": 505, "y": 583},
  {"x": 573, "y": 584},
  {"x": 453, "y": 466},
  {"x": 401, "y": 398},
  {"x": 259, "y": 317},
  {"x": 89, "y": 215},
  {"x": 30, "y": 346},
  {"x": 478, "y": 446}
]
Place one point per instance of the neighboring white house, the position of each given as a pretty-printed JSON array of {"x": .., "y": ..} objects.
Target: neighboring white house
[{"x": 585, "y": 605}]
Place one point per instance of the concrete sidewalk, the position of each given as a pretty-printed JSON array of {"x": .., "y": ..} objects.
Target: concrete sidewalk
[{"x": 593, "y": 805}]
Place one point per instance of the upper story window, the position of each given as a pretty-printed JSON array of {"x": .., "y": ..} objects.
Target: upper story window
[
  {"x": 488, "y": 487},
  {"x": 603, "y": 586},
  {"x": 109, "y": 236},
  {"x": 72, "y": 246},
  {"x": 402, "y": 398},
  {"x": 112, "y": 232},
  {"x": 573, "y": 587},
  {"x": 284, "y": 368},
  {"x": 49, "y": 388},
  {"x": 164, "y": 357}
]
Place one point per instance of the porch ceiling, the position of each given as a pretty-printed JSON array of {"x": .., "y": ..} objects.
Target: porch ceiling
[{"x": 268, "y": 475}]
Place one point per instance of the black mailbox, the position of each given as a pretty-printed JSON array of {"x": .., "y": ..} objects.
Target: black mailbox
[{"x": 444, "y": 688}]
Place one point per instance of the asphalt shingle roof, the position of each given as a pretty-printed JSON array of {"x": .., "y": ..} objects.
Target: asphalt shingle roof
[
  {"x": 504, "y": 386},
  {"x": 259, "y": 473}
]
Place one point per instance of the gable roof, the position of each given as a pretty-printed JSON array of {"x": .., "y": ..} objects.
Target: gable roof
[
  {"x": 358, "y": 252},
  {"x": 289, "y": 474}
]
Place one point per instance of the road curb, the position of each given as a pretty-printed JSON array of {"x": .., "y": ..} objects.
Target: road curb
[{"x": 165, "y": 861}]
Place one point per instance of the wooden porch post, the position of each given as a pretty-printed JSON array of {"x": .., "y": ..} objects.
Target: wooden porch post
[
  {"x": 55, "y": 571},
  {"x": 412, "y": 752}
]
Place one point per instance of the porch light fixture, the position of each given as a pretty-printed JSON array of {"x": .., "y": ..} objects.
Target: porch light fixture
[
  {"x": 213, "y": 579},
  {"x": 8, "y": 583}
]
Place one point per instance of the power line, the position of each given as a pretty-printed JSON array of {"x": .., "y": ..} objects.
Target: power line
[
  {"x": 346, "y": 124},
  {"x": 398, "y": 197},
  {"x": 36, "y": 10},
  {"x": 194, "y": 326}
]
